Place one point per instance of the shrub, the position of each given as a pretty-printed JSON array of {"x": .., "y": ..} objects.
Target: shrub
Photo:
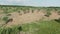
[
  {"x": 58, "y": 12},
  {"x": 57, "y": 20},
  {"x": 5, "y": 18},
  {"x": 32, "y": 11},
  {"x": 9, "y": 20},
  {"x": 24, "y": 12},
  {"x": 10, "y": 30},
  {"x": 19, "y": 12},
  {"x": 8, "y": 14},
  {"x": 48, "y": 14}
]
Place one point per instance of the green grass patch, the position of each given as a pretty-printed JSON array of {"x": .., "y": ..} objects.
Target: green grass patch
[
  {"x": 10, "y": 30},
  {"x": 43, "y": 27}
]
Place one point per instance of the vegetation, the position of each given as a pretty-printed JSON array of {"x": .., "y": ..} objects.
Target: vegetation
[
  {"x": 40, "y": 27},
  {"x": 57, "y": 20},
  {"x": 10, "y": 30},
  {"x": 8, "y": 9},
  {"x": 48, "y": 14},
  {"x": 8, "y": 15},
  {"x": 58, "y": 12},
  {"x": 5, "y": 18}
]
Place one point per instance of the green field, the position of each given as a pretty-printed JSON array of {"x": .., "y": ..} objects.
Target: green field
[
  {"x": 40, "y": 27},
  {"x": 43, "y": 27}
]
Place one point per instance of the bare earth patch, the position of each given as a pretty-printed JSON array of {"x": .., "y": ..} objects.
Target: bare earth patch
[
  {"x": 30, "y": 17},
  {"x": 25, "y": 18}
]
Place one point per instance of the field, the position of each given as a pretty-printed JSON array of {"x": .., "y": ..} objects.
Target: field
[{"x": 29, "y": 20}]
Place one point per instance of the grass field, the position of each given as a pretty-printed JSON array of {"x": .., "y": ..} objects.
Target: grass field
[
  {"x": 29, "y": 20},
  {"x": 43, "y": 27},
  {"x": 40, "y": 27}
]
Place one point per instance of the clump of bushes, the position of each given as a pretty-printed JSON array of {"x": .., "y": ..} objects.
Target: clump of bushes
[
  {"x": 11, "y": 30},
  {"x": 58, "y": 12},
  {"x": 47, "y": 14},
  {"x": 5, "y": 18},
  {"x": 9, "y": 20},
  {"x": 57, "y": 20},
  {"x": 8, "y": 15},
  {"x": 32, "y": 11},
  {"x": 25, "y": 12},
  {"x": 19, "y": 12}
]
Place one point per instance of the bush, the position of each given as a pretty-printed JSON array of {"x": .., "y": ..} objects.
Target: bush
[
  {"x": 10, "y": 30},
  {"x": 9, "y": 20},
  {"x": 58, "y": 12},
  {"x": 24, "y": 12},
  {"x": 48, "y": 14},
  {"x": 19, "y": 12},
  {"x": 8, "y": 14},
  {"x": 32, "y": 11},
  {"x": 57, "y": 20},
  {"x": 5, "y": 18}
]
